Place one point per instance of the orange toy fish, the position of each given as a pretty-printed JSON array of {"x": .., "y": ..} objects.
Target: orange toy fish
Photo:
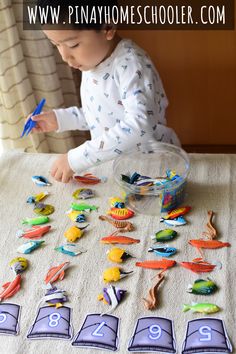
[
  {"x": 198, "y": 266},
  {"x": 120, "y": 214},
  {"x": 35, "y": 232},
  {"x": 123, "y": 240},
  {"x": 160, "y": 264},
  {"x": 10, "y": 288},
  {"x": 208, "y": 244},
  {"x": 56, "y": 273},
  {"x": 177, "y": 212}
]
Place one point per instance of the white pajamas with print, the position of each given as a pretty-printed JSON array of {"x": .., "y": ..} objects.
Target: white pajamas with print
[{"x": 123, "y": 105}]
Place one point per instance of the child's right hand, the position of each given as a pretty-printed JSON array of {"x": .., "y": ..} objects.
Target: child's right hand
[{"x": 46, "y": 122}]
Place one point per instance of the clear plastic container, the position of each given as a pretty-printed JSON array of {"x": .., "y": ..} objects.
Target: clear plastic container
[{"x": 153, "y": 159}]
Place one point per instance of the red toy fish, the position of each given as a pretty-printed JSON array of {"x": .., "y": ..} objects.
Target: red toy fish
[
  {"x": 210, "y": 244},
  {"x": 87, "y": 178},
  {"x": 160, "y": 264},
  {"x": 35, "y": 232},
  {"x": 198, "y": 266},
  {"x": 120, "y": 214},
  {"x": 119, "y": 239},
  {"x": 10, "y": 288},
  {"x": 176, "y": 213},
  {"x": 56, "y": 273}
]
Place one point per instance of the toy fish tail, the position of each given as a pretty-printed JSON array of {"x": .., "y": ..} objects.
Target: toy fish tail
[
  {"x": 218, "y": 264},
  {"x": 19, "y": 233},
  {"x": 186, "y": 308},
  {"x": 150, "y": 249},
  {"x": 162, "y": 219},
  {"x": 189, "y": 288}
]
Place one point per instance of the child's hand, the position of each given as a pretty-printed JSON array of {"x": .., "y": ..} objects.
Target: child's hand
[
  {"x": 61, "y": 170},
  {"x": 46, "y": 122}
]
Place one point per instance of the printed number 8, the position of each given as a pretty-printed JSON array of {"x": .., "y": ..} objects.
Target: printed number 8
[
  {"x": 155, "y": 332},
  {"x": 203, "y": 331},
  {"x": 54, "y": 319},
  {"x": 3, "y": 317}
]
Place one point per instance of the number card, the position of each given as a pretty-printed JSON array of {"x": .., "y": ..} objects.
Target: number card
[
  {"x": 206, "y": 335},
  {"x": 98, "y": 332},
  {"x": 9, "y": 319},
  {"x": 52, "y": 322},
  {"x": 153, "y": 334}
]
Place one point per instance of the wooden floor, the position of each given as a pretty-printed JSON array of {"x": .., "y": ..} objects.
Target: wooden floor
[{"x": 211, "y": 149}]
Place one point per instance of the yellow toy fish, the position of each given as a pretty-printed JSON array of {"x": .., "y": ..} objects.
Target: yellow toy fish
[
  {"x": 114, "y": 274},
  {"x": 120, "y": 214},
  {"x": 37, "y": 197},
  {"x": 18, "y": 265},
  {"x": 116, "y": 202},
  {"x": 76, "y": 216},
  {"x": 117, "y": 255},
  {"x": 74, "y": 232}
]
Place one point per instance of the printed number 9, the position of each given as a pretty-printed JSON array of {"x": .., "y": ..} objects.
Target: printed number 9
[
  {"x": 3, "y": 317},
  {"x": 206, "y": 332},
  {"x": 54, "y": 319},
  {"x": 155, "y": 332}
]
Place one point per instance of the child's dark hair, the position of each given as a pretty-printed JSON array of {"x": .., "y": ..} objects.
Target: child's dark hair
[{"x": 90, "y": 6}]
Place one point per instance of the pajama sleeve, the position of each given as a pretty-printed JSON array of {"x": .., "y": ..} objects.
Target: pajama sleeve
[
  {"x": 135, "y": 84},
  {"x": 71, "y": 118}
]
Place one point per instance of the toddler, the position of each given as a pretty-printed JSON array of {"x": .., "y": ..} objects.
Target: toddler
[{"x": 123, "y": 100}]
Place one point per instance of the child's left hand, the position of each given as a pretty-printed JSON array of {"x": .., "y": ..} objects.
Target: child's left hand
[{"x": 61, "y": 170}]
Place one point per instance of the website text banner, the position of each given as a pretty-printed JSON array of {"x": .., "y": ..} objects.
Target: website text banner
[{"x": 130, "y": 14}]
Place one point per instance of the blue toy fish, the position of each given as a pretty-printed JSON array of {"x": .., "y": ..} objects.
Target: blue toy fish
[
  {"x": 28, "y": 247},
  {"x": 40, "y": 181},
  {"x": 180, "y": 221},
  {"x": 163, "y": 251},
  {"x": 71, "y": 249}
]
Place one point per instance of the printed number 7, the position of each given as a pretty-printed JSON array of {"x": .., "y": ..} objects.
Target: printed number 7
[{"x": 96, "y": 332}]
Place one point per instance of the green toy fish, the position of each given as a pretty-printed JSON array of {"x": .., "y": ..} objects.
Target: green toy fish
[
  {"x": 36, "y": 221},
  {"x": 205, "y": 308},
  {"x": 202, "y": 287},
  {"x": 164, "y": 235},
  {"x": 83, "y": 207}
]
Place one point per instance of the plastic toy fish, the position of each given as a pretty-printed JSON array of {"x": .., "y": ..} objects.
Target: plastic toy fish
[
  {"x": 83, "y": 193},
  {"x": 164, "y": 235},
  {"x": 41, "y": 181},
  {"x": 205, "y": 308},
  {"x": 198, "y": 266},
  {"x": 180, "y": 221},
  {"x": 36, "y": 221},
  {"x": 43, "y": 209},
  {"x": 76, "y": 216},
  {"x": 29, "y": 246},
  {"x": 56, "y": 273},
  {"x": 114, "y": 274},
  {"x": 37, "y": 197},
  {"x": 118, "y": 255},
  {"x": 10, "y": 288},
  {"x": 120, "y": 214},
  {"x": 74, "y": 232},
  {"x": 173, "y": 214},
  {"x": 71, "y": 249},
  {"x": 18, "y": 265},
  {"x": 35, "y": 232},
  {"x": 202, "y": 287},
  {"x": 119, "y": 239},
  {"x": 151, "y": 301},
  {"x": 83, "y": 207},
  {"x": 162, "y": 264},
  {"x": 55, "y": 297},
  {"x": 116, "y": 202},
  {"x": 210, "y": 244},
  {"x": 163, "y": 251},
  {"x": 88, "y": 178},
  {"x": 122, "y": 225},
  {"x": 112, "y": 296}
]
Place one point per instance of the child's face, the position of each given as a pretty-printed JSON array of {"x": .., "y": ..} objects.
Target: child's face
[{"x": 82, "y": 49}]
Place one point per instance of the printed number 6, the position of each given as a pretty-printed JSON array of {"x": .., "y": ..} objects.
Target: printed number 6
[
  {"x": 3, "y": 317},
  {"x": 206, "y": 332},
  {"x": 54, "y": 319},
  {"x": 155, "y": 331}
]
